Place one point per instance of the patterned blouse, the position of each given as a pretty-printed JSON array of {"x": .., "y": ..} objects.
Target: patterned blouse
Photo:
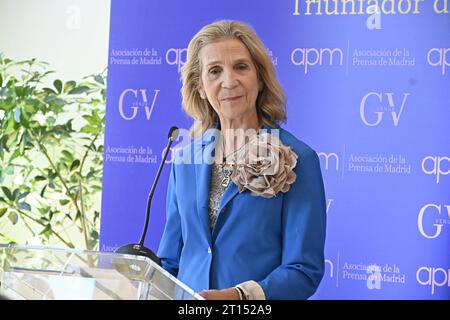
[{"x": 216, "y": 191}]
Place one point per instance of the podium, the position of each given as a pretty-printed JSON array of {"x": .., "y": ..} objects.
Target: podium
[{"x": 45, "y": 273}]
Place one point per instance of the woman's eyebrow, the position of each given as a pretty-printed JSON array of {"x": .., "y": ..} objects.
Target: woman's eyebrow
[
  {"x": 242, "y": 60},
  {"x": 239, "y": 60},
  {"x": 213, "y": 62}
]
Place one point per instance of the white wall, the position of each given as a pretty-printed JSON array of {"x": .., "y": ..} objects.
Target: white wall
[{"x": 72, "y": 35}]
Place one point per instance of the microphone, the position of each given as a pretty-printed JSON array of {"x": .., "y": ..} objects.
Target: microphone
[{"x": 138, "y": 248}]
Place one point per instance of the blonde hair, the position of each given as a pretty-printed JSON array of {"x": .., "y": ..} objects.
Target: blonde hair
[{"x": 270, "y": 103}]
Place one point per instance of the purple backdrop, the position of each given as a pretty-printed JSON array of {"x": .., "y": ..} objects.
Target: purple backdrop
[{"x": 369, "y": 92}]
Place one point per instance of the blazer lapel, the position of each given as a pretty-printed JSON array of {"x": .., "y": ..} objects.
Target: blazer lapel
[
  {"x": 203, "y": 169},
  {"x": 228, "y": 195},
  {"x": 202, "y": 176}
]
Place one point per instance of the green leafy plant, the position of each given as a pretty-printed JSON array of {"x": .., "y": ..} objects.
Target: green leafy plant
[{"x": 51, "y": 155}]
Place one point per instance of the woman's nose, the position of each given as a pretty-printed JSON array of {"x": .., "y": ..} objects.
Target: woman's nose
[{"x": 229, "y": 80}]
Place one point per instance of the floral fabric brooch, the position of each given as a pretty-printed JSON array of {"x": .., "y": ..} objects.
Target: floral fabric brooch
[{"x": 264, "y": 166}]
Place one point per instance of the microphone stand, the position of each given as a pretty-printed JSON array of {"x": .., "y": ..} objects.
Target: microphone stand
[{"x": 138, "y": 248}]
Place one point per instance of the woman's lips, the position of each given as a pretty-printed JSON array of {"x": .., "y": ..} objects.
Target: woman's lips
[{"x": 231, "y": 98}]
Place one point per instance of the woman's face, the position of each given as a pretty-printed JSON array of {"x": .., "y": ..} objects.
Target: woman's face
[{"x": 228, "y": 79}]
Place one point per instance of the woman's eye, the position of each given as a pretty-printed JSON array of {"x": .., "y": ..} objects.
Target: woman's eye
[
  {"x": 242, "y": 66},
  {"x": 214, "y": 71}
]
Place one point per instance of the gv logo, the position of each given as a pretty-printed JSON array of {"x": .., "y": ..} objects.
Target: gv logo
[
  {"x": 429, "y": 208},
  {"x": 329, "y": 201},
  {"x": 311, "y": 56},
  {"x": 176, "y": 57},
  {"x": 437, "y": 57},
  {"x": 437, "y": 166},
  {"x": 434, "y": 277},
  {"x": 379, "y": 114},
  {"x": 135, "y": 103},
  {"x": 327, "y": 156}
]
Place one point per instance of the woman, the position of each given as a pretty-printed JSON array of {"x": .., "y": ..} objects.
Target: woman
[{"x": 250, "y": 224}]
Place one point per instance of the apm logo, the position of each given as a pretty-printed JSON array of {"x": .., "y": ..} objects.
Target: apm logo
[
  {"x": 433, "y": 277},
  {"x": 431, "y": 210},
  {"x": 309, "y": 57},
  {"x": 326, "y": 157},
  {"x": 379, "y": 107},
  {"x": 133, "y": 100},
  {"x": 176, "y": 57},
  {"x": 438, "y": 166},
  {"x": 329, "y": 263},
  {"x": 437, "y": 57}
]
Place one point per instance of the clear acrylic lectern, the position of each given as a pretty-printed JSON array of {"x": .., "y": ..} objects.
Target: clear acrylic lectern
[{"x": 43, "y": 273}]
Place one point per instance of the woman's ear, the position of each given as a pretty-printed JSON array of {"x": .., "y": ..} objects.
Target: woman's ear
[{"x": 202, "y": 93}]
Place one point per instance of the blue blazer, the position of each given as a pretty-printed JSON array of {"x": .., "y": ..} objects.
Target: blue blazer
[{"x": 277, "y": 242}]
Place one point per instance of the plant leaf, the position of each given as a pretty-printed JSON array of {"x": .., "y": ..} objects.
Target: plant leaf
[
  {"x": 79, "y": 90},
  {"x": 15, "y": 194},
  {"x": 68, "y": 155},
  {"x": 22, "y": 195},
  {"x": 58, "y": 85},
  {"x": 47, "y": 230},
  {"x": 13, "y": 217},
  {"x": 49, "y": 90},
  {"x": 98, "y": 78},
  {"x": 89, "y": 129},
  {"x": 7, "y": 193},
  {"x": 69, "y": 85},
  {"x": 75, "y": 164},
  {"x": 63, "y": 202},
  {"x": 94, "y": 234},
  {"x": 90, "y": 119},
  {"x": 24, "y": 206},
  {"x": 43, "y": 190}
]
